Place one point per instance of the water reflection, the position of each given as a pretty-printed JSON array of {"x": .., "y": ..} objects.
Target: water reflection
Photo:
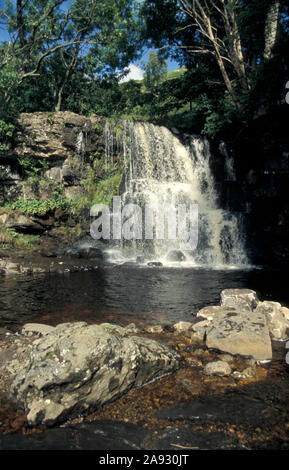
[{"x": 124, "y": 293}]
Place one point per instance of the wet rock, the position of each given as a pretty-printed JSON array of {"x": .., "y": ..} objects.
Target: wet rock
[
  {"x": 175, "y": 255},
  {"x": 154, "y": 329},
  {"x": 77, "y": 367},
  {"x": 132, "y": 328},
  {"x": 182, "y": 326},
  {"x": 154, "y": 263},
  {"x": 277, "y": 321},
  {"x": 100, "y": 435},
  {"x": 240, "y": 299},
  {"x": 219, "y": 368},
  {"x": 250, "y": 406},
  {"x": 243, "y": 333},
  {"x": 4, "y": 331},
  {"x": 185, "y": 440}
]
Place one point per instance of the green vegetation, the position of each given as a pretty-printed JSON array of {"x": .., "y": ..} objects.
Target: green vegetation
[
  {"x": 38, "y": 207},
  {"x": 11, "y": 239},
  {"x": 233, "y": 66}
]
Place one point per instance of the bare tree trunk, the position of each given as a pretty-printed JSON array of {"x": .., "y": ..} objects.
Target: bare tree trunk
[
  {"x": 271, "y": 29},
  {"x": 70, "y": 67}
]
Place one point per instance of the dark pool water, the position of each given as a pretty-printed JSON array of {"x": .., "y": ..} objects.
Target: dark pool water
[{"x": 123, "y": 294}]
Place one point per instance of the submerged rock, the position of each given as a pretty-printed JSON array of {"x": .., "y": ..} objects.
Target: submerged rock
[{"x": 77, "y": 367}]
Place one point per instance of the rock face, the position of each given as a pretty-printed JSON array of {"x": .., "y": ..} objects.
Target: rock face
[
  {"x": 76, "y": 367},
  {"x": 240, "y": 299},
  {"x": 244, "y": 333},
  {"x": 277, "y": 319},
  {"x": 54, "y": 136}
]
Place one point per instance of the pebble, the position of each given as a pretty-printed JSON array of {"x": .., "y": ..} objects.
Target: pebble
[{"x": 220, "y": 368}]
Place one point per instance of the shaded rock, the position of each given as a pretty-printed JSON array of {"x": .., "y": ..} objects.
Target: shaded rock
[
  {"x": 200, "y": 328},
  {"x": 4, "y": 331},
  {"x": 179, "y": 439},
  {"x": 220, "y": 368},
  {"x": 77, "y": 367},
  {"x": 250, "y": 406},
  {"x": 55, "y": 174},
  {"x": 22, "y": 223},
  {"x": 100, "y": 435},
  {"x": 240, "y": 299},
  {"x": 277, "y": 322},
  {"x": 154, "y": 263},
  {"x": 244, "y": 333}
]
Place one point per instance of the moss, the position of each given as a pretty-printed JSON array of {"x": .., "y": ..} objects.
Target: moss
[{"x": 11, "y": 239}]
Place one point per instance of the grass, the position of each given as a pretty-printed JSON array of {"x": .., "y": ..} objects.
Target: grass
[{"x": 11, "y": 239}]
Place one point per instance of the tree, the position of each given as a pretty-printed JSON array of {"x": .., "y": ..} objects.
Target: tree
[
  {"x": 155, "y": 69},
  {"x": 232, "y": 42},
  {"x": 47, "y": 36}
]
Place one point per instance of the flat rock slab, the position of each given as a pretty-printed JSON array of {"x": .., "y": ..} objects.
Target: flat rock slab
[
  {"x": 77, "y": 367},
  {"x": 243, "y": 333}
]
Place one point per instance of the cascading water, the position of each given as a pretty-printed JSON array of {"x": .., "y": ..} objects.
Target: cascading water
[{"x": 161, "y": 169}]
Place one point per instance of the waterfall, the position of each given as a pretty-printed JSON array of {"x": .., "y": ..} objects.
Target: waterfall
[{"x": 163, "y": 168}]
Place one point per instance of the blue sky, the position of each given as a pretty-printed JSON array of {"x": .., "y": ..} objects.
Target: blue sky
[{"x": 135, "y": 68}]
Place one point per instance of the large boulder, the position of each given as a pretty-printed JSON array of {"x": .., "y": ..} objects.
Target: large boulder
[
  {"x": 76, "y": 367},
  {"x": 240, "y": 299},
  {"x": 240, "y": 332},
  {"x": 277, "y": 319}
]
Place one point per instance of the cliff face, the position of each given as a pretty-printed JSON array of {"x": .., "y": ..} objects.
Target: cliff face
[
  {"x": 50, "y": 143},
  {"x": 61, "y": 149},
  {"x": 56, "y": 136}
]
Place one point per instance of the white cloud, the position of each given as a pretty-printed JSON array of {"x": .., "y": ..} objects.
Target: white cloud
[{"x": 135, "y": 73}]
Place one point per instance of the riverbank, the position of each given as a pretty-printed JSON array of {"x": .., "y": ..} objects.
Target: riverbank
[{"x": 243, "y": 404}]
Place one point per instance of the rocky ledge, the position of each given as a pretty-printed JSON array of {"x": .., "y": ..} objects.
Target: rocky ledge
[{"x": 242, "y": 324}]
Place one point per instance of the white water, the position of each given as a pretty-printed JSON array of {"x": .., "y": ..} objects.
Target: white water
[{"x": 161, "y": 169}]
